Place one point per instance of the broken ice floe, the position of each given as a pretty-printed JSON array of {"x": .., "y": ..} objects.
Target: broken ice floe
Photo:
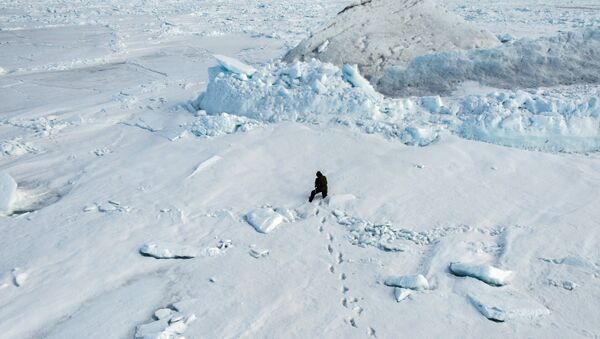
[
  {"x": 8, "y": 191},
  {"x": 169, "y": 323},
  {"x": 265, "y": 220},
  {"x": 486, "y": 273},
  {"x": 168, "y": 251},
  {"x": 415, "y": 282}
]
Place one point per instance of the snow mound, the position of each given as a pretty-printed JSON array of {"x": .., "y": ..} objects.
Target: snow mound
[
  {"x": 569, "y": 58},
  {"x": 376, "y": 34},
  {"x": 168, "y": 251},
  {"x": 486, "y": 273},
  {"x": 8, "y": 191},
  {"x": 264, "y": 220},
  {"x": 506, "y": 304},
  {"x": 234, "y": 66},
  {"x": 415, "y": 282}
]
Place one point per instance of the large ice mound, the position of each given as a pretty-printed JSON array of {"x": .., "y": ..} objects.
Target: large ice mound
[
  {"x": 312, "y": 92},
  {"x": 375, "y": 34},
  {"x": 566, "y": 59}
]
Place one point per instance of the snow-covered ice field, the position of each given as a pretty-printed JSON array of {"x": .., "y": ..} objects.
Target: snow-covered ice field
[{"x": 132, "y": 205}]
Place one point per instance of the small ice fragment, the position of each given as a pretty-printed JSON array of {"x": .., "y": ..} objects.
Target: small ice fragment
[
  {"x": 569, "y": 285},
  {"x": 19, "y": 276},
  {"x": 258, "y": 253},
  {"x": 401, "y": 293},
  {"x": 163, "y": 313}
]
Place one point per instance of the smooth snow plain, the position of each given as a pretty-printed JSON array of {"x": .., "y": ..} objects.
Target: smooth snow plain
[{"x": 113, "y": 146}]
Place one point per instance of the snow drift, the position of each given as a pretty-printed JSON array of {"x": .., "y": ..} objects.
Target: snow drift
[
  {"x": 376, "y": 34},
  {"x": 569, "y": 58}
]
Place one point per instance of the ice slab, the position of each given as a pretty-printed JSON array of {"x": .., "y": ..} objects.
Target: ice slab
[
  {"x": 168, "y": 251},
  {"x": 264, "y": 220},
  {"x": 415, "y": 282},
  {"x": 486, "y": 273}
]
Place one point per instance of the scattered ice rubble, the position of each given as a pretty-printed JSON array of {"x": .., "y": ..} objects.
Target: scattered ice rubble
[
  {"x": 16, "y": 147},
  {"x": 556, "y": 119},
  {"x": 387, "y": 238},
  {"x": 109, "y": 206},
  {"x": 169, "y": 323}
]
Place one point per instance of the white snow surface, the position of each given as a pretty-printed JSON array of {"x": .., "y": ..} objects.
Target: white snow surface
[
  {"x": 486, "y": 273},
  {"x": 99, "y": 127}
]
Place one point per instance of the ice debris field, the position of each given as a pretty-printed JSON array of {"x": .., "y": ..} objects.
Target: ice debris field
[{"x": 156, "y": 160}]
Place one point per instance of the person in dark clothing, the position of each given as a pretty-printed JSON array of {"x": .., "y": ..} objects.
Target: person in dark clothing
[{"x": 320, "y": 187}]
